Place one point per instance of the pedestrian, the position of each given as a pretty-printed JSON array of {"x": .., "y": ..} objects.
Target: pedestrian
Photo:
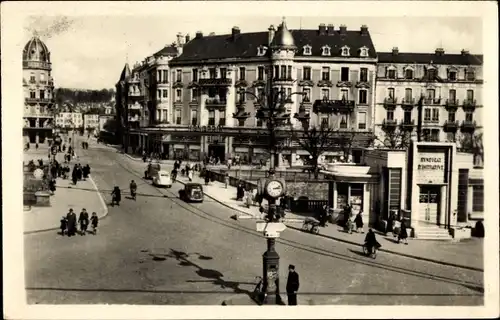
[
  {"x": 64, "y": 225},
  {"x": 74, "y": 175},
  {"x": 292, "y": 285},
  {"x": 359, "y": 221},
  {"x": 79, "y": 173},
  {"x": 71, "y": 219},
  {"x": 52, "y": 186},
  {"x": 94, "y": 220},
  {"x": 84, "y": 221},
  {"x": 64, "y": 148},
  {"x": 240, "y": 192},
  {"x": 226, "y": 180},
  {"x": 390, "y": 221},
  {"x": 190, "y": 175},
  {"x": 36, "y": 145},
  {"x": 207, "y": 177},
  {"x": 403, "y": 234}
]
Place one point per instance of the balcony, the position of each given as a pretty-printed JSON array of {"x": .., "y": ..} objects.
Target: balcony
[
  {"x": 407, "y": 125},
  {"x": 39, "y": 100},
  {"x": 344, "y": 84},
  {"x": 215, "y": 103},
  {"x": 36, "y": 65},
  {"x": 408, "y": 102},
  {"x": 333, "y": 106},
  {"x": 451, "y": 104},
  {"x": 363, "y": 84},
  {"x": 178, "y": 85},
  {"x": 450, "y": 126},
  {"x": 469, "y": 104},
  {"x": 38, "y": 114},
  {"x": 468, "y": 126},
  {"x": 242, "y": 83},
  {"x": 390, "y": 102},
  {"x": 215, "y": 82},
  {"x": 306, "y": 83},
  {"x": 325, "y": 83},
  {"x": 283, "y": 80},
  {"x": 432, "y": 101},
  {"x": 389, "y": 124}
]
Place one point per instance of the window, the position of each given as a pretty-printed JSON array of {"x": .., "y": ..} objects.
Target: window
[
  {"x": 283, "y": 72},
  {"x": 223, "y": 73},
  {"x": 211, "y": 117},
  {"x": 307, "y": 95},
  {"x": 345, "y": 52},
  {"x": 261, "y": 51},
  {"x": 408, "y": 74},
  {"x": 452, "y": 75},
  {"x": 362, "y": 96},
  {"x": 212, "y": 72},
  {"x": 431, "y": 73},
  {"x": 325, "y": 73},
  {"x": 390, "y": 92},
  {"x": 325, "y": 51},
  {"x": 307, "y": 50},
  {"x": 158, "y": 76},
  {"x": 289, "y": 72},
  {"x": 260, "y": 93},
  {"x": 451, "y": 137},
  {"x": 195, "y": 75},
  {"x": 158, "y": 94},
  {"x": 178, "y": 95},
  {"x": 469, "y": 116},
  {"x": 276, "y": 73},
  {"x": 408, "y": 94},
  {"x": 178, "y": 116},
  {"x": 260, "y": 73},
  {"x": 363, "y": 75},
  {"x": 42, "y": 94},
  {"x": 32, "y": 78},
  {"x": 165, "y": 94},
  {"x": 343, "y": 121},
  {"x": 194, "y": 117},
  {"x": 165, "y": 76},
  {"x": 470, "y": 75},
  {"x": 242, "y": 73},
  {"x": 324, "y": 121},
  {"x": 427, "y": 134},
  {"x": 344, "y": 74},
  {"x": 390, "y": 115},
  {"x": 407, "y": 117},
  {"x": 478, "y": 198},
  {"x": 194, "y": 94},
  {"x": 470, "y": 95},
  {"x": 435, "y": 135},
  {"x": 391, "y": 74},
  {"x": 42, "y": 77},
  {"x": 452, "y": 95},
  {"x": 344, "y": 94},
  {"x": 222, "y": 118},
  {"x": 179, "y": 75},
  {"x": 435, "y": 115},
  {"x": 325, "y": 94},
  {"x": 33, "y": 95},
  {"x": 431, "y": 94},
  {"x": 451, "y": 116},
  {"x": 361, "y": 120},
  {"x": 363, "y": 52},
  {"x": 306, "y": 73},
  {"x": 427, "y": 114}
]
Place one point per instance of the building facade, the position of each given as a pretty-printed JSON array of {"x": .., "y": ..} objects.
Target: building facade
[
  {"x": 447, "y": 87},
  {"x": 327, "y": 74},
  {"x": 69, "y": 120},
  {"x": 38, "y": 86},
  {"x": 91, "y": 122}
]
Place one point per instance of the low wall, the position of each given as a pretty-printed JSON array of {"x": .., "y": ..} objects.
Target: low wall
[{"x": 290, "y": 175}]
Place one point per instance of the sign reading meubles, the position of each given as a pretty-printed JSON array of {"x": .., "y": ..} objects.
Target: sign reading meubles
[{"x": 431, "y": 167}]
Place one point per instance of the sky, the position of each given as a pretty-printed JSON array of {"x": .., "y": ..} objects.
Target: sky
[{"x": 89, "y": 52}]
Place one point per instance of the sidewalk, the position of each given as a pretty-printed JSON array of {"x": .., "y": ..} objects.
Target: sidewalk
[
  {"x": 466, "y": 254},
  {"x": 84, "y": 195}
]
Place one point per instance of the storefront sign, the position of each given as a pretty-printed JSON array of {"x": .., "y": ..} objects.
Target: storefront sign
[
  {"x": 206, "y": 128},
  {"x": 431, "y": 167}
]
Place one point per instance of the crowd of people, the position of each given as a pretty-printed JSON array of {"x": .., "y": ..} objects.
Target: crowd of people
[{"x": 69, "y": 223}]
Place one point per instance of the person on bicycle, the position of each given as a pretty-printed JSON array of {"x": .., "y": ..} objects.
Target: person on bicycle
[
  {"x": 117, "y": 196},
  {"x": 133, "y": 189},
  {"x": 173, "y": 174},
  {"x": 371, "y": 241}
]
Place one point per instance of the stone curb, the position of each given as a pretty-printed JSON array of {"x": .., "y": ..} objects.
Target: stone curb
[{"x": 400, "y": 253}]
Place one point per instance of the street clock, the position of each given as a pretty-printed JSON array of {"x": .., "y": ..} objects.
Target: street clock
[{"x": 275, "y": 188}]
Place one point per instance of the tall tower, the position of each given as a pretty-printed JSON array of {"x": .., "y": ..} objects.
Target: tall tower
[{"x": 38, "y": 87}]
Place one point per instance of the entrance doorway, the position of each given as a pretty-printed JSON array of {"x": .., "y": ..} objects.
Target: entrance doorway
[
  {"x": 217, "y": 151},
  {"x": 429, "y": 204},
  {"x": 32, "y": 137}
]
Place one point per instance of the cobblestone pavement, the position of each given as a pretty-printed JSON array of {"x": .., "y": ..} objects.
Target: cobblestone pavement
[{"x": 160, "y": 250}]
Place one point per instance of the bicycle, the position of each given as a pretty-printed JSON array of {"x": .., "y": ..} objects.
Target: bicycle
[{"x": 370, "y": 253}]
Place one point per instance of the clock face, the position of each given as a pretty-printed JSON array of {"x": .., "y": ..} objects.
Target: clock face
[{"x": 274, "y": 189}]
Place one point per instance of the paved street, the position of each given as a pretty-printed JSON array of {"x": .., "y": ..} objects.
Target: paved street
[{"x": 160, "y": 250}]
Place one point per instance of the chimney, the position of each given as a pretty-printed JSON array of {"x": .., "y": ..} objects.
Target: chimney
[
  {"x": 199, "y": 35},
  {"x": 395, "y": 51},
  {"x": 235, "y": 31},
  {"x": 364, "y": 30},
  {"x": 322, "y": 29},
  {"x": 464, "y": 52},
  {"x": 180, "y": 39},
  {"x": 439, "y": 51},
  {"x": 188, "y": 38},
  {"x": 330, "y": 30},
  {"x": 271, "y": 34},
  {"x": 343, "y": 29}
]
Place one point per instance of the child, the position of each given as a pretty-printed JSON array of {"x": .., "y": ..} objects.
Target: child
[
  {"x": 64, "y": 224},
  {"x": 94, "y": 221}
]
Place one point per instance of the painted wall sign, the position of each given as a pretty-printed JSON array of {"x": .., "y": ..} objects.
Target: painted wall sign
[
  {"x": 206, "y": 128},
  {"x": 430, "y": 167}
]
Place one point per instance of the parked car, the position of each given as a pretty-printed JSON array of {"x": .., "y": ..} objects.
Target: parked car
[
  {"x": 152, "y": 170},
  {"x": 192, "y": 192},
  {"x": 162, "y": 179}
]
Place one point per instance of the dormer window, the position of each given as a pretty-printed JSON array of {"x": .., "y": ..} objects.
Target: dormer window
[
  {"x": 345, "y": 51},
  {"x": 261, "y": 51},
  {"x": 363, "y": 52},
  {"x": 409, "y": 73},
  {"x": 391, "y": 72},
  {"x": 452, "y": 74},
  {"x": 307, "y": 50},
  {"x": 325, "y": 51}
]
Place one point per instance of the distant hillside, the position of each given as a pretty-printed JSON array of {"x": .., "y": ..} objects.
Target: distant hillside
[{"x": 76, "y": 96}]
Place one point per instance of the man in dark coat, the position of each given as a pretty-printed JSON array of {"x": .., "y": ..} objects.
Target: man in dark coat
[
  {"x": 84, "y": 221},
  {"x": 292, "y": 285},
  {"x": 71, "y": 218}
]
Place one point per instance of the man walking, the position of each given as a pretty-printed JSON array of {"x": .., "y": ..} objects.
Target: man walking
[{"x": 292, "y": 285}]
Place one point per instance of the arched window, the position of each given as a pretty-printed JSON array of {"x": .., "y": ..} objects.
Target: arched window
[
  {"x": 307, "y": 50},
  {"x": 345, "y": 51},
  {"x": 326, "y": 51}
]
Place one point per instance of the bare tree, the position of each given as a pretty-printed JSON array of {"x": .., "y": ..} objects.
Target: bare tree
[
  {"x": 396, "y": 138},
  {"x": 473, "y": 143}
]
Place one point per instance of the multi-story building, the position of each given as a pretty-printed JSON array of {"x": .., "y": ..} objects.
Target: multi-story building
[
  {"x": 91, "y": 121},
  {"x": 69, "y": 120},
  {"x": 38, "y": 87},
  {"x": 332, "y": 69},
  {"x": 447, "y": 86}
]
